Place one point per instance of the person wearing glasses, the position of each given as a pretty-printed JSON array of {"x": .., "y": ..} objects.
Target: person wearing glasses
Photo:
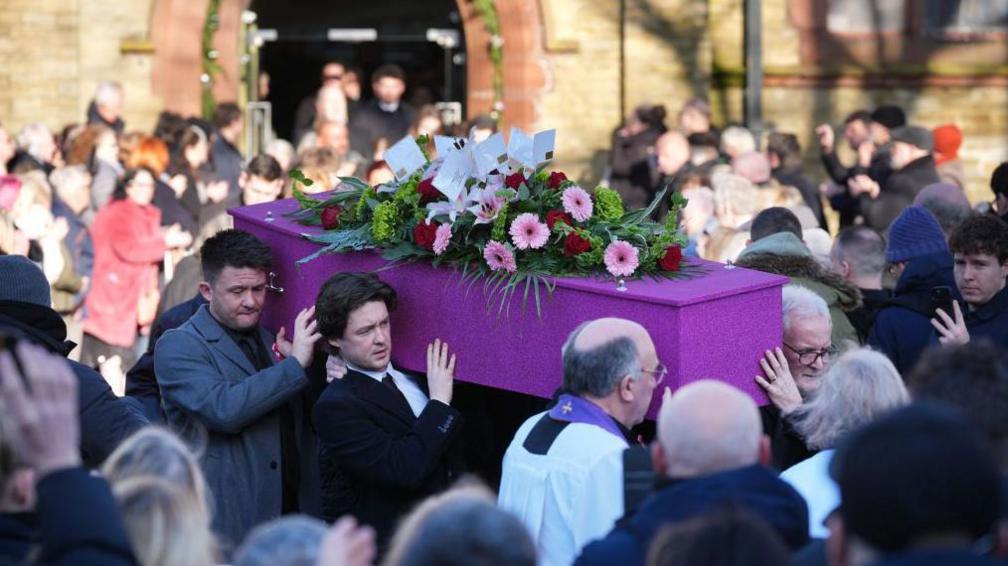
[
  {"x": 793, "y": 372},
  {"x": 562, "y": 475}
]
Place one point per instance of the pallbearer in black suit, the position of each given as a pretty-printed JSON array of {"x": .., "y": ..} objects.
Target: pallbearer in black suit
[{"x": 388, "y": 438}]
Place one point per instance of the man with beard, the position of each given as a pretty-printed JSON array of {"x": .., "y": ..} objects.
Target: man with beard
[{"x": 219, "y": 381}]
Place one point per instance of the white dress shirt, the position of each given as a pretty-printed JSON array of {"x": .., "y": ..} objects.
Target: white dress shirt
[{"x": 414, "y": 395}]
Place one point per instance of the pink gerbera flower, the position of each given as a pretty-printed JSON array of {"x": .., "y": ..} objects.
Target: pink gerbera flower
[
  {"x": 442, "y": 238},
  {"x": 577, "y": 202},
  {"x": 528, "y": 233},
  {"x": 499, "y": 256},
  {"x": 621, "y": 258}
]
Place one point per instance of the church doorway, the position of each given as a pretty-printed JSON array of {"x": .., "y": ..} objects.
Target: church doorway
[{"x": 425, "y": 38}]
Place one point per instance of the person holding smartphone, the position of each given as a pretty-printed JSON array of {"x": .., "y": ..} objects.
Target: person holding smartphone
[
  {"x": 920, "y": 261},
  {"x": 980, "y": 250}
]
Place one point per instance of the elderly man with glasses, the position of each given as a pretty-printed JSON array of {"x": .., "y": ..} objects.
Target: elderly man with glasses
[
  {"x": 794, "y": 372},
  {"x": 563, "y": 472}
]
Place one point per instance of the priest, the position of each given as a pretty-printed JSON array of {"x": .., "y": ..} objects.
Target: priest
[{"x": 563, "y": 472}]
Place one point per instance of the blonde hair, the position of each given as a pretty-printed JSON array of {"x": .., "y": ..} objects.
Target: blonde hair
[
  {"x": 154, "y": 451},
  {"x": 165, "y": 525}
]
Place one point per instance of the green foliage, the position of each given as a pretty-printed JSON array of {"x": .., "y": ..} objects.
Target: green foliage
[
  {"x": 500, "y": 225},
  {"x": 608, "y": 204},
  {"x": 385, "y": 221}
]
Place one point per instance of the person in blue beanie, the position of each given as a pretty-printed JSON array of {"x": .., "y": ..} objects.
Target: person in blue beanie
[{"x": 921, "y": 262}]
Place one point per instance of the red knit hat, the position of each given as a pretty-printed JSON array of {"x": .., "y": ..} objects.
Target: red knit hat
[{"x": 947, "y": 139}]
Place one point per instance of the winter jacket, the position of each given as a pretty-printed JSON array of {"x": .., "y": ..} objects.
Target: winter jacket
[
  {"x": 141, "y": 383},
  {"x": 863, "y": 317},
  {"x": 753, "y": 487},
  {"x": 898, "y": 192},
  {"x": 784, "y": 254},
  {"x": 105, "y": 419},
  {"x": 990, "y": 320},
  {"x": 902, "y": 328},
  {"x": 128, "y": 245},
  {"x": 794, "y": 177},
  {"x": 79, "y": 522}
]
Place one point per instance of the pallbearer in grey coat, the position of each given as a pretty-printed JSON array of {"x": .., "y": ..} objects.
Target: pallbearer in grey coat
[{"x": 216, "y": 373}]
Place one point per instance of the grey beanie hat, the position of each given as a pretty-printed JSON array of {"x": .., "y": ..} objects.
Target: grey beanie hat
[{"x": 22, "y": 281}]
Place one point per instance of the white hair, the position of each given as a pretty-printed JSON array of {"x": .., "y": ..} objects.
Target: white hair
[
  {"x": 733, "y": 193},
  {"x": 35, "y": 139},
  {"x": 859, "y": 386},
  {"x": 282, "y": 151},
  {"x": 799, "y": 302},
  {"x": 107, "y": 92},
  {"x": 736, "y": 140}
]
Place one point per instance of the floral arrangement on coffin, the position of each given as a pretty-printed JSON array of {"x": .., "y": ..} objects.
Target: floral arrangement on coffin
[{"x": 515, "y": 231}]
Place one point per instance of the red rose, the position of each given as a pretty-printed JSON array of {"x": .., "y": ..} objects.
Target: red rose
[
  {"x": 514, "y": 180},
  {"x": 424, "y": 235},
  {"x": 556, "y": 178},
  {"x": 575, "y": 244},
  {"x": 330, "y": 217},
  {"x": 428, "y": 192},
  {"x": 554, "y": 216},
  {"x": 671, "y": 259}
]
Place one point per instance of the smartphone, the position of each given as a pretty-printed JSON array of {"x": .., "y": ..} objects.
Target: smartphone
[{"x": 941, "y": 298}]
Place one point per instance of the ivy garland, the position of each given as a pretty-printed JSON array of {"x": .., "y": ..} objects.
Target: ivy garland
[
  {"x": 211, "y": 68},
  {"x": 488, "y": 13}
]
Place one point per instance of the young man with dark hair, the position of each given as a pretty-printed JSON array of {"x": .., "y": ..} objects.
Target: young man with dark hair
[
  {"x": 386, "y": 116},
  {"x": 980, "y": 250},
  {"x": 388, "y": 437},
  {"x": 216, "y": 373},
  {"x": 774, "y": 220}
]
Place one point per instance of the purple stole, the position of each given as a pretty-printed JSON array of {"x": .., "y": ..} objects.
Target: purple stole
[{"x": 573, "y": 409}]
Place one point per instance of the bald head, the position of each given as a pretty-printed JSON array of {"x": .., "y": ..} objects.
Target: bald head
[
  {"x": 673, "y": 152},
  {"x": 603, "y": 330},
  {"x": 604, "y": 360},
  {"x": 708, "y": 427}
]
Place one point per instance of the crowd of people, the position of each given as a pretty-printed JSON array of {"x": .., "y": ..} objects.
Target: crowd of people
[{"x": 147, "y": 417}]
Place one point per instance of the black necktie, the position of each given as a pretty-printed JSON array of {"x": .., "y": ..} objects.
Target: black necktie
[{"x": 387, "y": 381}]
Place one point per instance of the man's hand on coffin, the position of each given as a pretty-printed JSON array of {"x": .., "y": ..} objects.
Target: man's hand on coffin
[
  {"x": 440, "y": 372},
  {"x": 305, "y": 336},
  {"x": 779, "y": 384}
]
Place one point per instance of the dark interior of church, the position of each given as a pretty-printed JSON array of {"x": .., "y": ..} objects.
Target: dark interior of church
[{"x": 302, "y": 36}]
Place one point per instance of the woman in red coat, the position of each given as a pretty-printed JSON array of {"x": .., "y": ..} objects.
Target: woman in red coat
[{"x": 129, "y": 243}]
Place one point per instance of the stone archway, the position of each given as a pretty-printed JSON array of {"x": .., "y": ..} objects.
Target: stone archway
[
  {"x": 521, "y": 24},
  {"x": 177, "y": 60}
]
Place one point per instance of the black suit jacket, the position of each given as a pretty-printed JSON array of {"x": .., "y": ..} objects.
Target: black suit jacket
[{"x": 376, "y": 459}]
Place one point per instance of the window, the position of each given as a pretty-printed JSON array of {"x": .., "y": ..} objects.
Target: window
[
  {"x": 965, "y": 15},
  {"x": 865, "y": 16}
]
